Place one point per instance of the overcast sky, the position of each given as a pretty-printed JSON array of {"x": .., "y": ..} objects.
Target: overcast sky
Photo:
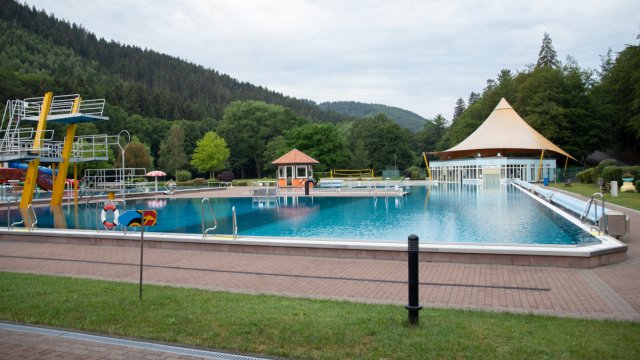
[{"x": 417, "y": 55}]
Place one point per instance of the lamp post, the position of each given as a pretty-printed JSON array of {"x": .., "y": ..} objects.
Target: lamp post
[
  {"x": 122, "y": 153},
  {"x": 395, "y": 163}
]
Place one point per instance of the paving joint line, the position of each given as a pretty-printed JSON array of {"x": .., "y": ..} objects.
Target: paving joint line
[
  {"x": 613, "y": 300},
  {"x": 505, "y": 287}
]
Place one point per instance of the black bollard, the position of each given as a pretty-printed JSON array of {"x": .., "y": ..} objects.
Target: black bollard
[{"x": 414, "y": 283}]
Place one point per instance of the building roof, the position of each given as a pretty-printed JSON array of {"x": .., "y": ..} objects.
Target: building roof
[
  {"x": 294, "y": 157},
  {"x": 503, "y": 131}
]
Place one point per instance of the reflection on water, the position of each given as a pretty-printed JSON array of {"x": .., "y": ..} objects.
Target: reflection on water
[{"x": 441, "y": 213}]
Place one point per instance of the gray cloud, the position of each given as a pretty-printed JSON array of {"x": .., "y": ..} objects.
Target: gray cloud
[{"x": 418, "y": 55}]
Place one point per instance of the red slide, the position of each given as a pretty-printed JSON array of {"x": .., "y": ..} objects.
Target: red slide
[{"x": 43, "y": 180}]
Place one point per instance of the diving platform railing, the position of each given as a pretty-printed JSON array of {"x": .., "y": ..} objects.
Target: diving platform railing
[
  {"x": 111, "y": 180},
  {"x": 24, "y": 143},
  {"x": 20, "y": 145},
  {"x": 61, "y": 106}
]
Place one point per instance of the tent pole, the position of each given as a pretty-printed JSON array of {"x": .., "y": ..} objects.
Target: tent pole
[
  {"x": 540, "y": 165},
  {"x": 566, "y": 162},
  {"x": 426, "y": 163}
]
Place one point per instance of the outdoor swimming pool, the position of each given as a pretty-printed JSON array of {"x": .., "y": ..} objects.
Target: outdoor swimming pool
[{"x": 446, "y": 213}]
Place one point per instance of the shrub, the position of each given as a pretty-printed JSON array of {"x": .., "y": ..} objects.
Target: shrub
[
  {"x": 612, "y": 173},
  {"x": 603, "y": 164},
  {"x": 587, "y": 176},
  {"x": 631, "y": 170},
  {"x": 183, "y": 175},
  {"x": 241, "y": 182},
  {"x": 638, "y": 185},
  {"x": 412, "y": 172},
  {"x": 199, "y": 181},
  {"x": 225, "y": 176}
]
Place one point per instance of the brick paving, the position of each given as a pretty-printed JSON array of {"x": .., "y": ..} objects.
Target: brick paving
[
  {"x": 17, "y": 345},
  {"x": 543, "y": 290},
  {"x": 609, "y": 292}
]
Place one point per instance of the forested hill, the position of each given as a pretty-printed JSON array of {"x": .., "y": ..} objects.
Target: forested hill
[
  {"x": 404, "y": 118},
  {"x": 39, "y": 51}
]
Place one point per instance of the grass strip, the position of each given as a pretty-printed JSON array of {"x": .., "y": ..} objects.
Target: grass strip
[
  {"x": 304, "y": 328},
  {"x": 627, "y": 199}
]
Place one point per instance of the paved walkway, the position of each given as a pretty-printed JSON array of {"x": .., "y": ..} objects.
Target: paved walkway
[
  {"x": 28, "y": 342},
  {"x": 610, "y": 292}
]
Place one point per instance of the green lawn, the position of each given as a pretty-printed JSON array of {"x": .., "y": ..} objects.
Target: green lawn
[
  {"x": 304, "y": 328},
  {"x": 626, "y": 199}
]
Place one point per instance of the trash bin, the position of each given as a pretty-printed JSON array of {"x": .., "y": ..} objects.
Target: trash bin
[{"x": 546, "y": 181}]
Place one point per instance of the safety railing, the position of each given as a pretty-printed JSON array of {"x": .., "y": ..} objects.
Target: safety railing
[
  {"x": 215, "y": 221},
  {"x": 90, "y": 147},
  {"x": 62, "y": 105},
  {"x": 112, "y": 179}
]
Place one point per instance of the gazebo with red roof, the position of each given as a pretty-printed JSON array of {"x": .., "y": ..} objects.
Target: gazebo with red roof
[{"x": 294, "y": 168}]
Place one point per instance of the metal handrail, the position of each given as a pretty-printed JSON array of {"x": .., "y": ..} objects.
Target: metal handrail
[
  {"x": 585, "y": 213},
  {"x": 9, "y": 199},
  {"x": 33, "y": 223},
  {"x": 205, "y": 231},
  {"x": 235, "y": 223},
  {"x": 33, "y": 218},
  {"x": 68, "y": 189}
]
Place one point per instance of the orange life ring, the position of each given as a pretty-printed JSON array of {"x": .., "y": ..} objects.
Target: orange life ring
[{"x": 109, "y": 225}]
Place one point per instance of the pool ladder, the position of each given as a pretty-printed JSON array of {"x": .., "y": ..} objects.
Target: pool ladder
[
  {"x": 31, "y": 215},
  {"x": 206, "y": 230},
  {"x": 215, "y": 221},
  {"x": 600, "y": 222}
]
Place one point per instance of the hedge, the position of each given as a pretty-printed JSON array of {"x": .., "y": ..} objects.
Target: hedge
[
  {"x": 587, "y": 176},
  {"x": 603, "y": 164},
  {"x": 183, "y": 175},
  {"x": 612, "y": 173}
]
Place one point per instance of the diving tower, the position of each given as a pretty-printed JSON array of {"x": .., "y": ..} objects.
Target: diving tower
[{"x": 20, "y": 142}]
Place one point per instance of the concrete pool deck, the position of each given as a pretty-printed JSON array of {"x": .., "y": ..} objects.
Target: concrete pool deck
[{"x": 606, "y": 292}]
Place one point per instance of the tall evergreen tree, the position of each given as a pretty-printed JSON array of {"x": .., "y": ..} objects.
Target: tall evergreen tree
[
  {"x": 459, "y": 109},
  {"x": 473, "y": 97},
  {"x": 547, "y": 57}
]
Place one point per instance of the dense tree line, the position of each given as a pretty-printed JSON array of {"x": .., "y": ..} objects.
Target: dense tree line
[
  {"x": 579, "y": 110},
  {"x": 354, "y": 109},
  {"x": 141, "y": 81}
]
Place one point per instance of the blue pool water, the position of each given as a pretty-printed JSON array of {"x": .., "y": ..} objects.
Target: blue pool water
[{"x": 444, "y": 213}]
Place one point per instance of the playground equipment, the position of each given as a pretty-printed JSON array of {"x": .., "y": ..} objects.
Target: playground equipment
[
  {"x": 170, "y": 187},
  {"x": 21, "y": 143}
]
